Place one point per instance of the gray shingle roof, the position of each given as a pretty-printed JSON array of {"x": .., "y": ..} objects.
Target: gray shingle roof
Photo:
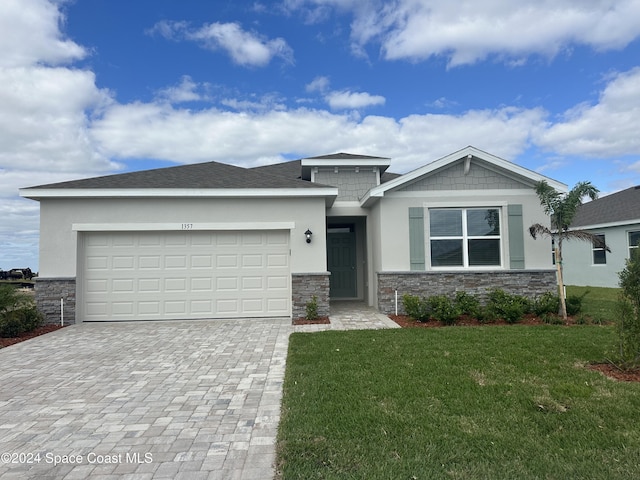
[
  {"x": 345, "y": 156},
  {"x": 200, "y": 175},
  {"x": 617, "y": 207}
]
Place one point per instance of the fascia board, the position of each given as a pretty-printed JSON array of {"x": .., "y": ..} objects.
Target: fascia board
[
  {"x": 596, "y": 226},
  {"x": 38, "y": 193},
  {"x": 349, "y": 162}
]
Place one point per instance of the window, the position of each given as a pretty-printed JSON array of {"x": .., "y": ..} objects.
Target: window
[
  {"x": 634, "y": 240},
  {"x": 599, "y": 253},
  {"x": 465, "y": 237}
]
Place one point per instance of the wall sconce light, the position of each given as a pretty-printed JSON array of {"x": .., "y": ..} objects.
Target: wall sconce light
[{"x": 308, "y": 234}]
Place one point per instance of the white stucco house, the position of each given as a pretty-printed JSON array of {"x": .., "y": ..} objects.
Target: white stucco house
[
  {"x": 212, "y": 240},
  {"x": 616, "y": 218}
]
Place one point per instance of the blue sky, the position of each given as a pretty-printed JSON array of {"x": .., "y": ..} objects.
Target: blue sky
[{"x": 94, "y": 87}]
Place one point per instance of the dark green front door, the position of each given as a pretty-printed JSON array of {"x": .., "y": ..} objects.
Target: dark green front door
[{"x": 341, "y": 259}]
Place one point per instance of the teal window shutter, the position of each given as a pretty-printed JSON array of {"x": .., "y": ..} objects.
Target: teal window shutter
[
  {"x": 416, "y": 238},
  {"x": 516, "y": 237}
]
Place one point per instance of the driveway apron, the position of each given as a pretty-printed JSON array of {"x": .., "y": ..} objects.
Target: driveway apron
[{"x": 144, "y": 400}]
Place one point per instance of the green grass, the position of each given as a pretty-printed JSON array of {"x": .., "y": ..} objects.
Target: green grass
[
  {"x": 456, "y": 403},
  {"x": 599, "y": 303}
]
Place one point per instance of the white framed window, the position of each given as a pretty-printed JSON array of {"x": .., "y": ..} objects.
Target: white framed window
[
  {"x": 599, "y": 253},
  {"x": 465, "y": 237},
  {"x": 634, "y": 240}
]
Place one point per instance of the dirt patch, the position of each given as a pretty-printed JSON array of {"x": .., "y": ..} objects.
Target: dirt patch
[
  {"x": 5, "y": 342},
  {"x": 316, "y": 321}
]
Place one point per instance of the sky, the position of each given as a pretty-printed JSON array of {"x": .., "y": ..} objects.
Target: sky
[{"x": 97, "y": 87}]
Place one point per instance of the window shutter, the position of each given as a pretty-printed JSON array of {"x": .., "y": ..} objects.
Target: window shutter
[
  {"x": 516, "y": 236},
  {"x": 416, "y": 238}
]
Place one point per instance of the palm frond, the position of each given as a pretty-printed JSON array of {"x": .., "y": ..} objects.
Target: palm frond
[
  {"x": 537, "y": 229},
  {"x": 585, "y": 236}
]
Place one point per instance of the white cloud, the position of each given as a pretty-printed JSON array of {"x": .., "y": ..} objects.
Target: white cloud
[
  {"x": 30, "y": 35},
  {"x": 185, "y": 91},
  {"x": 353, "y": 100},
  {"x": 248, "y": 49},
  {"x": 469, "y": 31},
  {"x": 318, "y": 84},
  {"x": 46, "y": 109},
  {"x": 606, "y": 129},
  {"x": 164, "y": 132}
]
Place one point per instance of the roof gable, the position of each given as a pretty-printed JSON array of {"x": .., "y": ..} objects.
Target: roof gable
[
  {"x": 465, "y": 158},
  {"x": 618, "y": 207}
]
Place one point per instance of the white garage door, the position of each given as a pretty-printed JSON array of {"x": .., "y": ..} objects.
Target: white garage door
[{"x": 185, "y": 275}]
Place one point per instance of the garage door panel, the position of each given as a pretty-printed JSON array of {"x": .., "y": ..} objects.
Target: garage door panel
[
  {"x": 277, "y": 282},
  {"x": 201, "y": 261},
  {"x": 175, "y": 307},
  {"x": 149, "y": 285},
  {"x": 175, "y": 275},
  {"x": 252, "y": 283},
  {"x": 97, "y": 263},
  {"x": 148, "y": 262},
  {"x": 175, "y": 261},
  {"x": 202, "y": 284},
  {"x": 122, "y": 285}
]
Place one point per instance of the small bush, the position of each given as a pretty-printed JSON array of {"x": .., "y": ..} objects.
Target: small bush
[
  {"x": 546, "y": 303},
  {"x": 468, "y": 304},
  {"x": 312, "y": 308},
  {"x": 416, "y": 307},
  {"x": 574, "y": 303},
  {"x": 443, "y": 309},
  {"x": 551, "y": 318},
  {"x": 20, "y": 320},
  {"x": 626, "y": 354},
  {"x": 509, "y": 307}
]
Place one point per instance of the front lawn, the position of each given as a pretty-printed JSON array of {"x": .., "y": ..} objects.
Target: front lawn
[
  {"x": 461, "y": 403},
  {"x": 599, "y": 303}
]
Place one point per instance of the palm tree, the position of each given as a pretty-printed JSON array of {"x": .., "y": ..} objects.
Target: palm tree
[{"x": 562, "y": 209}]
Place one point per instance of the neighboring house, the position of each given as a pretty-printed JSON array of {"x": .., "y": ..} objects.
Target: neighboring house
[
  {"x": 616, "y": 218},
  {"x": 217, "y": 241}
]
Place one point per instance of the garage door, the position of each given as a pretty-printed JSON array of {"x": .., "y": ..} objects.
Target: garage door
[{"x": 185, "y": 275}]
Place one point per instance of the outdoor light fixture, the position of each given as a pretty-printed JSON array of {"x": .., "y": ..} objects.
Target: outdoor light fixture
[{"x": 308, "y": 234}]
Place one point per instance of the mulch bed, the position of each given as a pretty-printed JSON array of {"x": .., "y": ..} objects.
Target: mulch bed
[
  {"x": 612, "y": 371},
  {"x": 606, "y": 369},
  {"x": 317, "y": 321},
  {"x": 5, "y": 342}
]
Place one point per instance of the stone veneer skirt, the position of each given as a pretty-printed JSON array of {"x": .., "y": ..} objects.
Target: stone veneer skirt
[{"x": 530, "y": 283}]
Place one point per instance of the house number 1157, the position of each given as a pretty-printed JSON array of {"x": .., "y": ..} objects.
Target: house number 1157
[{"x": 187, "y": 226}]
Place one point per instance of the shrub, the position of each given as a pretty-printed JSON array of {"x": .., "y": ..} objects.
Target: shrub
[
  {"x": 468, "y": 304},
  {"x": 552, "y": 318},
  {"x": 20, "y": 320},
  {"x": 312, "y": 308},
  {"x": 18, "y": 313},
  {"x": 507, "y": 306},
  {"x": 626, "y": 355},
  {"x": 574, "y": 303},
  {"x": 546, "y": 303},
  {"x": 443, "y": 309},
  {"x": 415, "y": 307}
]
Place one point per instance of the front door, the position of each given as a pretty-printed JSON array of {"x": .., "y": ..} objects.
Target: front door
[{"x": 341, "y": 259}]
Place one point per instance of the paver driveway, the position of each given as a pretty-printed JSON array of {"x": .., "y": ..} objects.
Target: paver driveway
[{"x": 144, "y": 400}]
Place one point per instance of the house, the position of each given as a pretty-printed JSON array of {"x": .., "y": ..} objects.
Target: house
[
  {"x": 212, "y": 240},
  {"x": 616, "y": 218}
]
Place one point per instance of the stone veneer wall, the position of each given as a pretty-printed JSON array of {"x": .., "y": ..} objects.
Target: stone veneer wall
[
  {"x": 530, "y": 283},
  {"x": 49, "y": 291},
  {"x": 303, "y": 287}
]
